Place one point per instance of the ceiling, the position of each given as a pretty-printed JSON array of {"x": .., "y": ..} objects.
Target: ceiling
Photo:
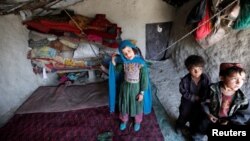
[{"x": 36, "y": 7}]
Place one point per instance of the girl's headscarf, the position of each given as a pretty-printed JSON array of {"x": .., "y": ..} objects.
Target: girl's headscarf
[{"x": 122, "y": 59}]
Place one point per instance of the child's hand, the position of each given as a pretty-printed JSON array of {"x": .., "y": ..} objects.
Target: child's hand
[
  {"x": 139, "y": 97},
  {"x": 113, "y": 59},
  {"x": 212, "y": 118},
  {"x": 224, "y": 122}
]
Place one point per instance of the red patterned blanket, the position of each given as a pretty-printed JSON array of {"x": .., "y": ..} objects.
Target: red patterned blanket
[{"x": 78, "y": 125}]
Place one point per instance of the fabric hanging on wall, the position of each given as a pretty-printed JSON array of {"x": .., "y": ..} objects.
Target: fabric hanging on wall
[
  {"x": 197, "y": 13},
  {"x": 176, "y": 3},
  {"x": 212, "y": 38},
  {"x": 205, "y": 26},
  {"x": 222, "y": 23},
  {"x": 243, "y": 20}
]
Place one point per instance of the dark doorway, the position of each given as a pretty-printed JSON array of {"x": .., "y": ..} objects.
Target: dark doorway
[{"x": 157, "y": 39}]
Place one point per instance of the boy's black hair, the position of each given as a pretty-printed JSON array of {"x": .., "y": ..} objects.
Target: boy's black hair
[
  {"x": 194, "y": 60},
  {"x": 233, "y": 69}
]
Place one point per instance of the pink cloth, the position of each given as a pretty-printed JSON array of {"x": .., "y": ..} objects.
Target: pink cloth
[{"x": 94, "y": 38}]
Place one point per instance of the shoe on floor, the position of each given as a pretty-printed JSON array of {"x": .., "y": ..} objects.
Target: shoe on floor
[
  {"x": 183, "y": 130},
  {"x": 178, "y": 131},
  {"x": 137, "y": 127},
  {"x": 123, "y": 126}
]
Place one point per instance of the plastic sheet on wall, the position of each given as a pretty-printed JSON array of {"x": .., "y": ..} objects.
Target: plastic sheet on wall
[
  {"x": 176, "y": 3},
  {"x": 243, "y": 20}
]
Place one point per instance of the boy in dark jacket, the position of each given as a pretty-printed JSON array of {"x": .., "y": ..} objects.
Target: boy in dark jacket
[
  {"x": 193, "y": 87},
  {"x": 226, "y": 104}
]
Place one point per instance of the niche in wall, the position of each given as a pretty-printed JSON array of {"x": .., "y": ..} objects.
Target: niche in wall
[{"x": 157, "y": 40}]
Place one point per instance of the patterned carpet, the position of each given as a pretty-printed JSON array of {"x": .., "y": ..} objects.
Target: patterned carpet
[{"x": 79, "y": 125}]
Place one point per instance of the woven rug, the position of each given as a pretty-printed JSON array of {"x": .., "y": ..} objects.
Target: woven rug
[{"x": 78, "y": 125}]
